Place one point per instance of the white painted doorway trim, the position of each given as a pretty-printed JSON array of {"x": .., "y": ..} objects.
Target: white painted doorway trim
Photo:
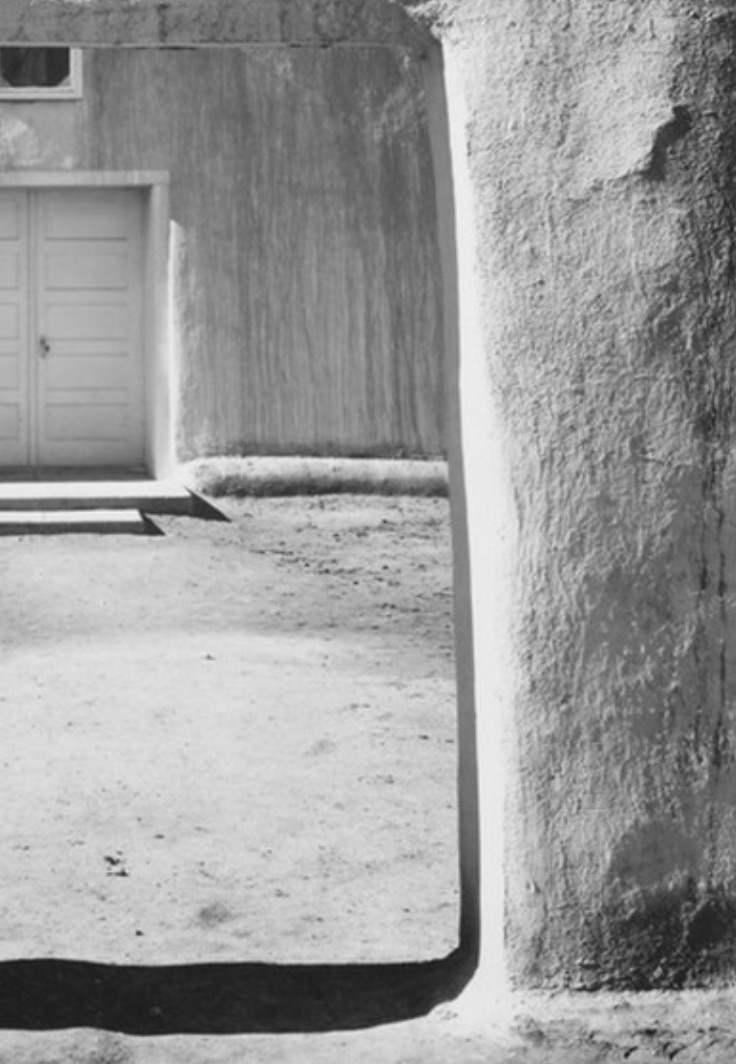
[{"x": 158, "y": 382}]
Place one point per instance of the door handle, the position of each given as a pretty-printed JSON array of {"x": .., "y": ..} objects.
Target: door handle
[{"x": 44, "y": 346}]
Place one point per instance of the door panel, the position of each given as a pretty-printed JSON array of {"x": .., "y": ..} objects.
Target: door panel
[
  {"x": 9, "y": 423},
  {"x": 12, "y": 210},
  {"x": 77, "y": 320},
  {"x": 69, "y": 267},
  {"x": 70, "y": 422},
  {"x": 10, "y": 268},
  {"x": 10, "y": 320},
  {"x": 101, "y": 371},
  {"x": 14, "y": 329},
  {"x": 87, "y": 215},
  {"x": 70, "y": 328},
  {"x": 9, "y": 374},
  {"x": 88, "y": 253}
]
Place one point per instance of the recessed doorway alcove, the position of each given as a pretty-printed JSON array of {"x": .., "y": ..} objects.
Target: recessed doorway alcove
[{"x": 217, "y": 997}]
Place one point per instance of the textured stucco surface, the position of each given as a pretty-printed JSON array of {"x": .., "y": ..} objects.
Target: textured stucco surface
[
  {"x": 601, "y": 157},
  {"x": 305, "y": 23},
  {"x": 306, "y": 287}
]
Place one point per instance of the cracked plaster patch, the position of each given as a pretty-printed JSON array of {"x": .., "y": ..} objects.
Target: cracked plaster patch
[
  {"x": 18, "y": 142},
  {"x": 21, "y": 146},
  {"x": 624, "y": 103}
]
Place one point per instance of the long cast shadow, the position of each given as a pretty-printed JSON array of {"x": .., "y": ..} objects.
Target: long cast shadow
[{"x": 224, "y": 998}]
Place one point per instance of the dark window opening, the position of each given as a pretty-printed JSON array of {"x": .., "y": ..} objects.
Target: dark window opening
[{"x": 44, "y": 68}]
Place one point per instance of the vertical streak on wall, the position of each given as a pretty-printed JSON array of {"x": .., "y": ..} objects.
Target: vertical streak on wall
[
  {"x": 493, "y": 529},
  {"x": 469, "y": 848},
  {"x": 485, "y": 527},
  {"x": 161, "y": 342},
  {"x": 174, "y": 266}
]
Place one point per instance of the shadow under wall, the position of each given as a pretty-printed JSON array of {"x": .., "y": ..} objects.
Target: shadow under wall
[{"x": 224, "y": 998}]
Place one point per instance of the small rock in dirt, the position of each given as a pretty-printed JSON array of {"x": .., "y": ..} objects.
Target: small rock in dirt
[
  {"x": 322, "y": 746},
  {"x": 116, "y": 865},
  {"x": 214, "y": 914}
]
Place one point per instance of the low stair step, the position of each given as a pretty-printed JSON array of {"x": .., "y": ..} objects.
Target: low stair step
[
  {"x": 152, "y": 496},
  {"x": 47, "y": 522}
]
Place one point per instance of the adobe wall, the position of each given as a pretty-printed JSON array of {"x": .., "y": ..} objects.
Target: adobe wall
[
  {"x": 597, "y": 208},
  {"x": 602, "y": 150},
  {"x": 307, "y": 291},
  {"x": 306, "y": 23},
  {"x": 306, "y": 287}
]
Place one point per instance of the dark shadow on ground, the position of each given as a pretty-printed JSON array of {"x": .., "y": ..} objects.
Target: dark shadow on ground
[
  {"x": 152, "y": 529},
  {"x": 205, "y": 510},
  {"x": 224, "y": 998}
]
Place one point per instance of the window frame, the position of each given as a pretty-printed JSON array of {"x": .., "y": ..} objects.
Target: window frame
[{"x": 71, "y": 90}]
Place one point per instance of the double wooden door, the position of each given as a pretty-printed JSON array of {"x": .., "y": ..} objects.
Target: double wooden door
[{"x": 71, "y": 374}]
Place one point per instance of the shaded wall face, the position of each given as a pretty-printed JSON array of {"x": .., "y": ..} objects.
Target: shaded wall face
[
  {"x": 307, "y": 289},
  {"x": 307, "y": 298}
]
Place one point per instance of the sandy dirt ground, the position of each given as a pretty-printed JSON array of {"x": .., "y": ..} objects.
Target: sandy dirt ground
[
  {"x": 231, "y": 742},
  {"x": 236, "y": 742}
]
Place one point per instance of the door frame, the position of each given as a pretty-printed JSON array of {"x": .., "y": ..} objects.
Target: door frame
[{"x": 158, "y": 378}]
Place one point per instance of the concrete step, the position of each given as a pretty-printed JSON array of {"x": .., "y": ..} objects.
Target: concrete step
[
  {"x": 150, "y": 496},
  {"x": 47, "y": 522}
]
